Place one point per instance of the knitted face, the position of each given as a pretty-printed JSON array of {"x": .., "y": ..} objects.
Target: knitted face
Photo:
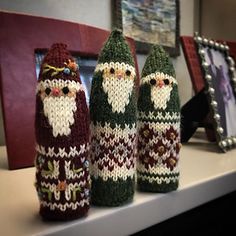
[
  {"x": 59, "y": 103},
  {"x": 161, "y": 86},
  {"x": 118, "y": 82}
]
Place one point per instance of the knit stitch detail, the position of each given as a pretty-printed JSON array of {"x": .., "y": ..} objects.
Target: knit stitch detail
[
  {"x": 159, "y": 75},
  {"x": 113, "y": 158},
  {"x": 158, "y": 61},
  {"x": 63, "y": 152},
  {"x": 64, "y": 207},
  {"x": 62, "y": 135},
  {"x": 154, "y": 116},
  {"x": 101, "y": 110},
  {"x": 158, "y": 125},
  {"x": 112, "y": 193},
  {"x": 113, "y": 124},
  {"x": 163, "y": 187},
  {"x": 116, "y": 49},
  {"x": 106, "y": 67},
  {"x": 59, "y": 83}
]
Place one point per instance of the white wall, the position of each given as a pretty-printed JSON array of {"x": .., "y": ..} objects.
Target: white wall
[
  {"x": 218, "y": 19},
  {"x": 98, "y": 13}
]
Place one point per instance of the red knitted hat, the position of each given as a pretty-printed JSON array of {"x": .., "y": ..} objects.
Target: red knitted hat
[{"x": 59, "y": 63}]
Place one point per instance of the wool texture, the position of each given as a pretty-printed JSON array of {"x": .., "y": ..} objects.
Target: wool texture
[
  {"x": 62, "y": 136},
  {"x": 113, "y": 124},
  {"x": 158, "y": 125}
]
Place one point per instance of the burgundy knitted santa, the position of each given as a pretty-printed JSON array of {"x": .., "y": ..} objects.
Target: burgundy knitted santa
[{"x": 62, "y": 135}]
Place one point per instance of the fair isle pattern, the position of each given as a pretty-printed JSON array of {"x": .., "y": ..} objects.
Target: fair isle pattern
[
  {"x": 158, "y": 150},
  {"x": 62, "y": 152},
  {"x": 76, "y": 184},
  {"x": 113, "y": 158},
  {"x": 53, "y": 172},
  {"x": 64, "y": 207},
  {"x": 160, "y": 171},
  {"x": 69, "y": 192},
  {"x": 159, "y": 116}
]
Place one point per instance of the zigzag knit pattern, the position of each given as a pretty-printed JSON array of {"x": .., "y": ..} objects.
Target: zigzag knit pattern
[
  {"x": 113, "y": 125},
  {"x": 158, "y": 126},
  {"x": 62, "y": 135}
]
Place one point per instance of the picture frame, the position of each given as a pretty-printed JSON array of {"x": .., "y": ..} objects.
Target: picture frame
[
  {"x": 219, "y": 74},
  {"x": 21, "y": 37},
  {"x": 150, "y": 22}
]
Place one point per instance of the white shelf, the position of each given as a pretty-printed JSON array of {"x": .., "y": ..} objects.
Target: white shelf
[{"x": 205, "y": 175}]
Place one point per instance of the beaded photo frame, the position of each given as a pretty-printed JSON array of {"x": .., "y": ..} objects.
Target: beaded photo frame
[{"x": 220, "y": 79}]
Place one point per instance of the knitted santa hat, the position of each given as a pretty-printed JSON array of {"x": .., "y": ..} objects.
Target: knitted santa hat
[
  {"x": 62, "y": 135},
  {"x": 113, "y": 124},
  {"x": 158, "y": 125}
]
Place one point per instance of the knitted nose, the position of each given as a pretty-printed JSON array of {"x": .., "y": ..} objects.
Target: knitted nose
[
  {"x": 55, "y": 92},
  {"x": 160, "y": 83},
  {"x": 119, "y": 75}
]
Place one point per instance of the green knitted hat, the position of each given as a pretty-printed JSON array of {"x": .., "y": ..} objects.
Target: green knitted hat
[
  {"x": 158, "y": 61},
  {"x": 116, "y": 49}
]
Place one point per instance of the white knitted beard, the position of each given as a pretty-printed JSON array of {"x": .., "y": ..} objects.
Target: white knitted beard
[
  {"x": 160, "y": 96},
  {"x": 118, "y": 91},
  {"x": 60, "y": 113}
]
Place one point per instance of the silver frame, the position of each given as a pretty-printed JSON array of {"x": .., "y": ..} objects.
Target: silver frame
[{"x": 224, "y": 142}]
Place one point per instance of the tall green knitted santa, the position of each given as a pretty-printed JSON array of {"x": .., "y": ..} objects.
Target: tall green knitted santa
[
  {"x": 113, "y": 124},
  {"x": 158, "y": 125}
]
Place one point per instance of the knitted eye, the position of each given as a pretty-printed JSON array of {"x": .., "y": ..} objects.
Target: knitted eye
[
  {"x": 47, "y": 91},
  {"x": 166, "y": 81},
  {"x": 65, "y": 90},
  {"x": 152, "y": 81},
  {"x": 112, "y": 70},
  {"x": 128, "y": 72}
]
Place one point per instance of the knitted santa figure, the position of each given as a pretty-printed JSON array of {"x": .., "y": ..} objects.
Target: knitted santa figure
[
  {"x": 113, "y": 124},
  {"x": 62, "y": 135},
  {"x": 158, "y": 125}
]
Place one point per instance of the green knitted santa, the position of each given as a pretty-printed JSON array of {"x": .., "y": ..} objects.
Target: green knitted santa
[
  {"x": 113, "y": 124},
  {"x": 158, "y": 125}
]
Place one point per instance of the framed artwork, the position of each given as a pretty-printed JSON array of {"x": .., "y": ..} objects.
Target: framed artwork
[
  {"x": 22, "y": 38},
  {"x": 150, "y": 22},
  {"x": 220, "y": 83}
]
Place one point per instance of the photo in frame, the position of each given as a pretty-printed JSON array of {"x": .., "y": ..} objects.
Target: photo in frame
[
  {"x": 220, "y": 82},
  {"x": 150, "y": 22}
]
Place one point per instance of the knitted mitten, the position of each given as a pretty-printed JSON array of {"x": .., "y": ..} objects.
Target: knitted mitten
[
  {"x": 113, "y": 124},
  {"x": 62, "y": 135},
  {"x": 158, "y": 125}
]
